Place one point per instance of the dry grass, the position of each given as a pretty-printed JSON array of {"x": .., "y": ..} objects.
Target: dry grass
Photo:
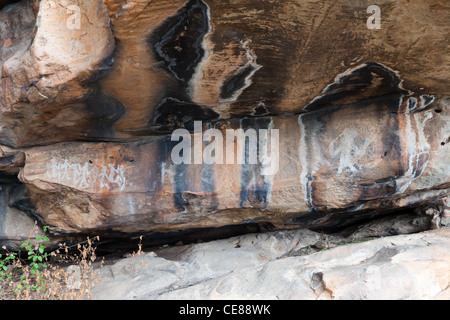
[{"x": 61, "y": 274}]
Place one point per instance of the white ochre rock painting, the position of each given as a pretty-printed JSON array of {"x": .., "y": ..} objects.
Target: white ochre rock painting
[
  {"x": 340, "y": 149},
  {"x": 109, "y": 177}
]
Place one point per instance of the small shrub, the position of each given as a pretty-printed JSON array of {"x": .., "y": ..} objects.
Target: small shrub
[{"x": 43, "y": 274}]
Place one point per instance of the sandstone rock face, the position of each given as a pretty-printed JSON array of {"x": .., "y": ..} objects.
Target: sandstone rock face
[
  {"x": 45, "y": 62},
  {"x": 329, "y": 163},
  {"x": 92, "y": 91},
  {"x": 11, "y": 160},
  {"x": 265, "y": 267},
  {"x": 113, "y": 70},
  {"x": 15, "y": 225}
]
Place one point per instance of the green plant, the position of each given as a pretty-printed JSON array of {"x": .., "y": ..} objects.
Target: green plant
[
  {"x": 38, "y": 257},
  {"x": 35, "y": 272},
  {"x": 10, "y": 256}
]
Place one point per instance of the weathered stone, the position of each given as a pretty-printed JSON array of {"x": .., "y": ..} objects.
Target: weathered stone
[
  {"x": 130, "y": 69},
  {"x": 337, "y": 165},
  {"x": 11, "y": 160},
  {"x": 15, "y": 225},
  {"x": 439, "y": 212},
  {"x": 45, "y": 62},
  {"x": 90, "y": 92},
  {"x": 260, "y": 267}
]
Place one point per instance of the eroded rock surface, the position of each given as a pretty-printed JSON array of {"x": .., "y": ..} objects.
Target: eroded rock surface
[
  {"x": 331, "y": 161},
  {"x": 262, "y": 267},
  {"x": 91, "y": 91},
  {"x": 115, "y": 70}
]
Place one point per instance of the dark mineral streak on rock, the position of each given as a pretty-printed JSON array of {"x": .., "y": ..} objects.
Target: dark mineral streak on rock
[
  {"x": 181, "y": 182},
  {"x": 103, "y": 111},
  {"x": 393, "y": 148},
  {"x": 255, "y": 189},
  {"x": 208, "y": 178},
  {"x": 155, "y": 176},
  {"x": 20, "y": 199},
  {"x": 260, "y": 111},
  {"x": 172, "y": 114},
  {"x": 236, "y": 82},
  {"x": 373, "y": 78},
  {"x": 178, "y": 44},
  {"x": 181, "y": 185},
  {"x": 377, "y": 190},
  {"x": 178, "y": 41},
  {"x": 7, "y": 160},
  {"x": 4, "y": 3},
  {"x": 101, "y": 108}
]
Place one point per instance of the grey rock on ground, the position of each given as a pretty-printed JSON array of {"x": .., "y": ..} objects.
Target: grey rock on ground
[{"x": 267, "y": 266}]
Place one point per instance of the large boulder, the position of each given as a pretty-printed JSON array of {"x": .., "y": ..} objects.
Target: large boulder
[
  {"x": 16, "y": 226},
  {"x": 269, "y": 267}
]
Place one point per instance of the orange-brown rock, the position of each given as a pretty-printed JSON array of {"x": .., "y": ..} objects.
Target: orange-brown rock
[
  {"x": 336, "y": 165},
  {"x": 91, "y": 91},
  {"x": 133, "y": 68}
]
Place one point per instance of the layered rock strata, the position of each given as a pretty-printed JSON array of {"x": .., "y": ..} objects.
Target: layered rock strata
[{"x": 91, "y": 93}]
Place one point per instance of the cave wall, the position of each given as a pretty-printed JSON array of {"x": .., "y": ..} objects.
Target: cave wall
[{"x": 91, "y": 92}]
